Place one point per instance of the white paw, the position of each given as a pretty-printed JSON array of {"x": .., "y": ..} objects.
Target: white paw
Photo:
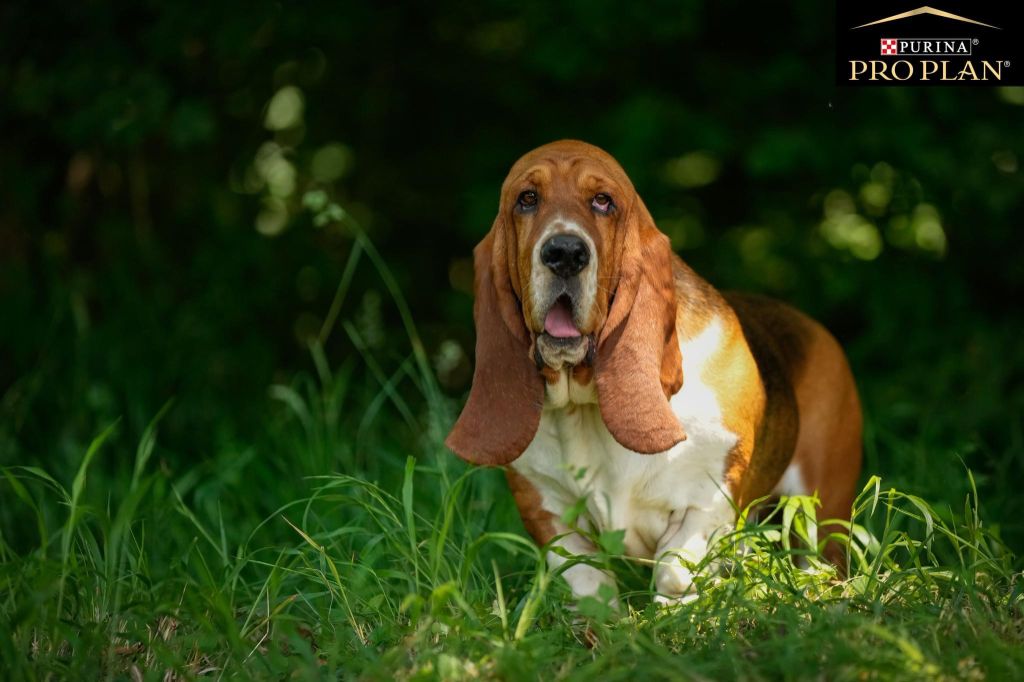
[
  {"x": 673, "y": 578},
  {"x": 666, "y": 601}
]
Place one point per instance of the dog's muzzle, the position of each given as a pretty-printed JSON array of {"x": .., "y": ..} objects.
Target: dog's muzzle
[{"x": 563, "y": 284}]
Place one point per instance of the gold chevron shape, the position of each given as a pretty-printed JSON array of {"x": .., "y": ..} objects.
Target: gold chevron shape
[{"x": 927, "y": 10}]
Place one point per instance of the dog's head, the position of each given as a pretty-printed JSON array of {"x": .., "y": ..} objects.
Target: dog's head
[{"x": 573, "y": 271}]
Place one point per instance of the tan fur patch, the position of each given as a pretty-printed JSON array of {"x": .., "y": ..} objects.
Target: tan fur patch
[
  {"x": 551, "y": 375},
  {"x": 583, "y": 374},
  {"x": 538, "y": 522}
]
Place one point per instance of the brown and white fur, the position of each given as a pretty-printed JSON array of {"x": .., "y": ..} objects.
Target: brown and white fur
[{"x": 660, "y": 401}]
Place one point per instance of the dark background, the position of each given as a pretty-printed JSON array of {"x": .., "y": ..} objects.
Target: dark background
[{"x": 154, "y": 241}]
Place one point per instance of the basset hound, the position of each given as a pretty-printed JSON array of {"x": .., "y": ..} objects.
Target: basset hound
[{"x": 608, "y": 370}]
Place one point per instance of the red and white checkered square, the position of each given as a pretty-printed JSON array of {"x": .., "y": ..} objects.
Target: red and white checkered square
[{"x": 890, "y": 46}]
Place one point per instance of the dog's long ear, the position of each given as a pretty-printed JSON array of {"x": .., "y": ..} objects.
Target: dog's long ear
[
  {"x": 503, "y": 410},
  {"x": 638, "y": 365}
]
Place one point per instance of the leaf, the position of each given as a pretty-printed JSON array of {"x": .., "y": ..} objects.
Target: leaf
[
  {"x": 572, "y": 513},
  {"x": 612, "y": 542},
  {"x": 598, "y": 607}
]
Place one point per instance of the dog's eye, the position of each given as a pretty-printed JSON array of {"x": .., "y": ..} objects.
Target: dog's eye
[
  {"x": 527, "y": 199},
  {"x": 602, "y": 203}
]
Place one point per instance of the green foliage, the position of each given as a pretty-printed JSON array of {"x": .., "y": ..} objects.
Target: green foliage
[{"x": 169, "y": 219}]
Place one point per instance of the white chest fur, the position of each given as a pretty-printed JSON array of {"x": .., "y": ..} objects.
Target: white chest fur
[{"x": 573, "y": 456}]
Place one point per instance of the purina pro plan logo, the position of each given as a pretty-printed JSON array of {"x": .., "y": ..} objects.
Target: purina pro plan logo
[{"x": 904, "y": 43}]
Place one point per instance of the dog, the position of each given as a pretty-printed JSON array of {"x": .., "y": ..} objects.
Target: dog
[{"x": 609, "y": 371}]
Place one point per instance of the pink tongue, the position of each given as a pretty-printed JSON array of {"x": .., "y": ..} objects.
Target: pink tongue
[{"x": 559, "y": 323}]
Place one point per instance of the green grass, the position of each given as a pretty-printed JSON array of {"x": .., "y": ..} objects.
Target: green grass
[
  {"x": 428, "y": 580},
  {"x": 343, "y": 540}
]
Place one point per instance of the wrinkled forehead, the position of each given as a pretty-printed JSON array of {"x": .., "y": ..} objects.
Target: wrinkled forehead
[{"x": 566, "y": 161}]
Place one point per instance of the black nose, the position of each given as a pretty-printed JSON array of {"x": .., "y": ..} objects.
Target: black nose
[{"x": 565, "y": 255}]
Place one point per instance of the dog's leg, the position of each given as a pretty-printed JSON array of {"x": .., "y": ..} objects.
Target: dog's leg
[
  {"x": 545, "y": 526},
  {"x": 686, "y": 540}
]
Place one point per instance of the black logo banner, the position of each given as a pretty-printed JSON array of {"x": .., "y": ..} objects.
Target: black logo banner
[{"x": 946, "y": 43}]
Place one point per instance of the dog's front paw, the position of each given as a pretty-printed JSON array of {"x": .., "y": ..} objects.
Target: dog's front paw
[
  {"x": 673, "y": 578},
  {"x": 668, "y": 602}
]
